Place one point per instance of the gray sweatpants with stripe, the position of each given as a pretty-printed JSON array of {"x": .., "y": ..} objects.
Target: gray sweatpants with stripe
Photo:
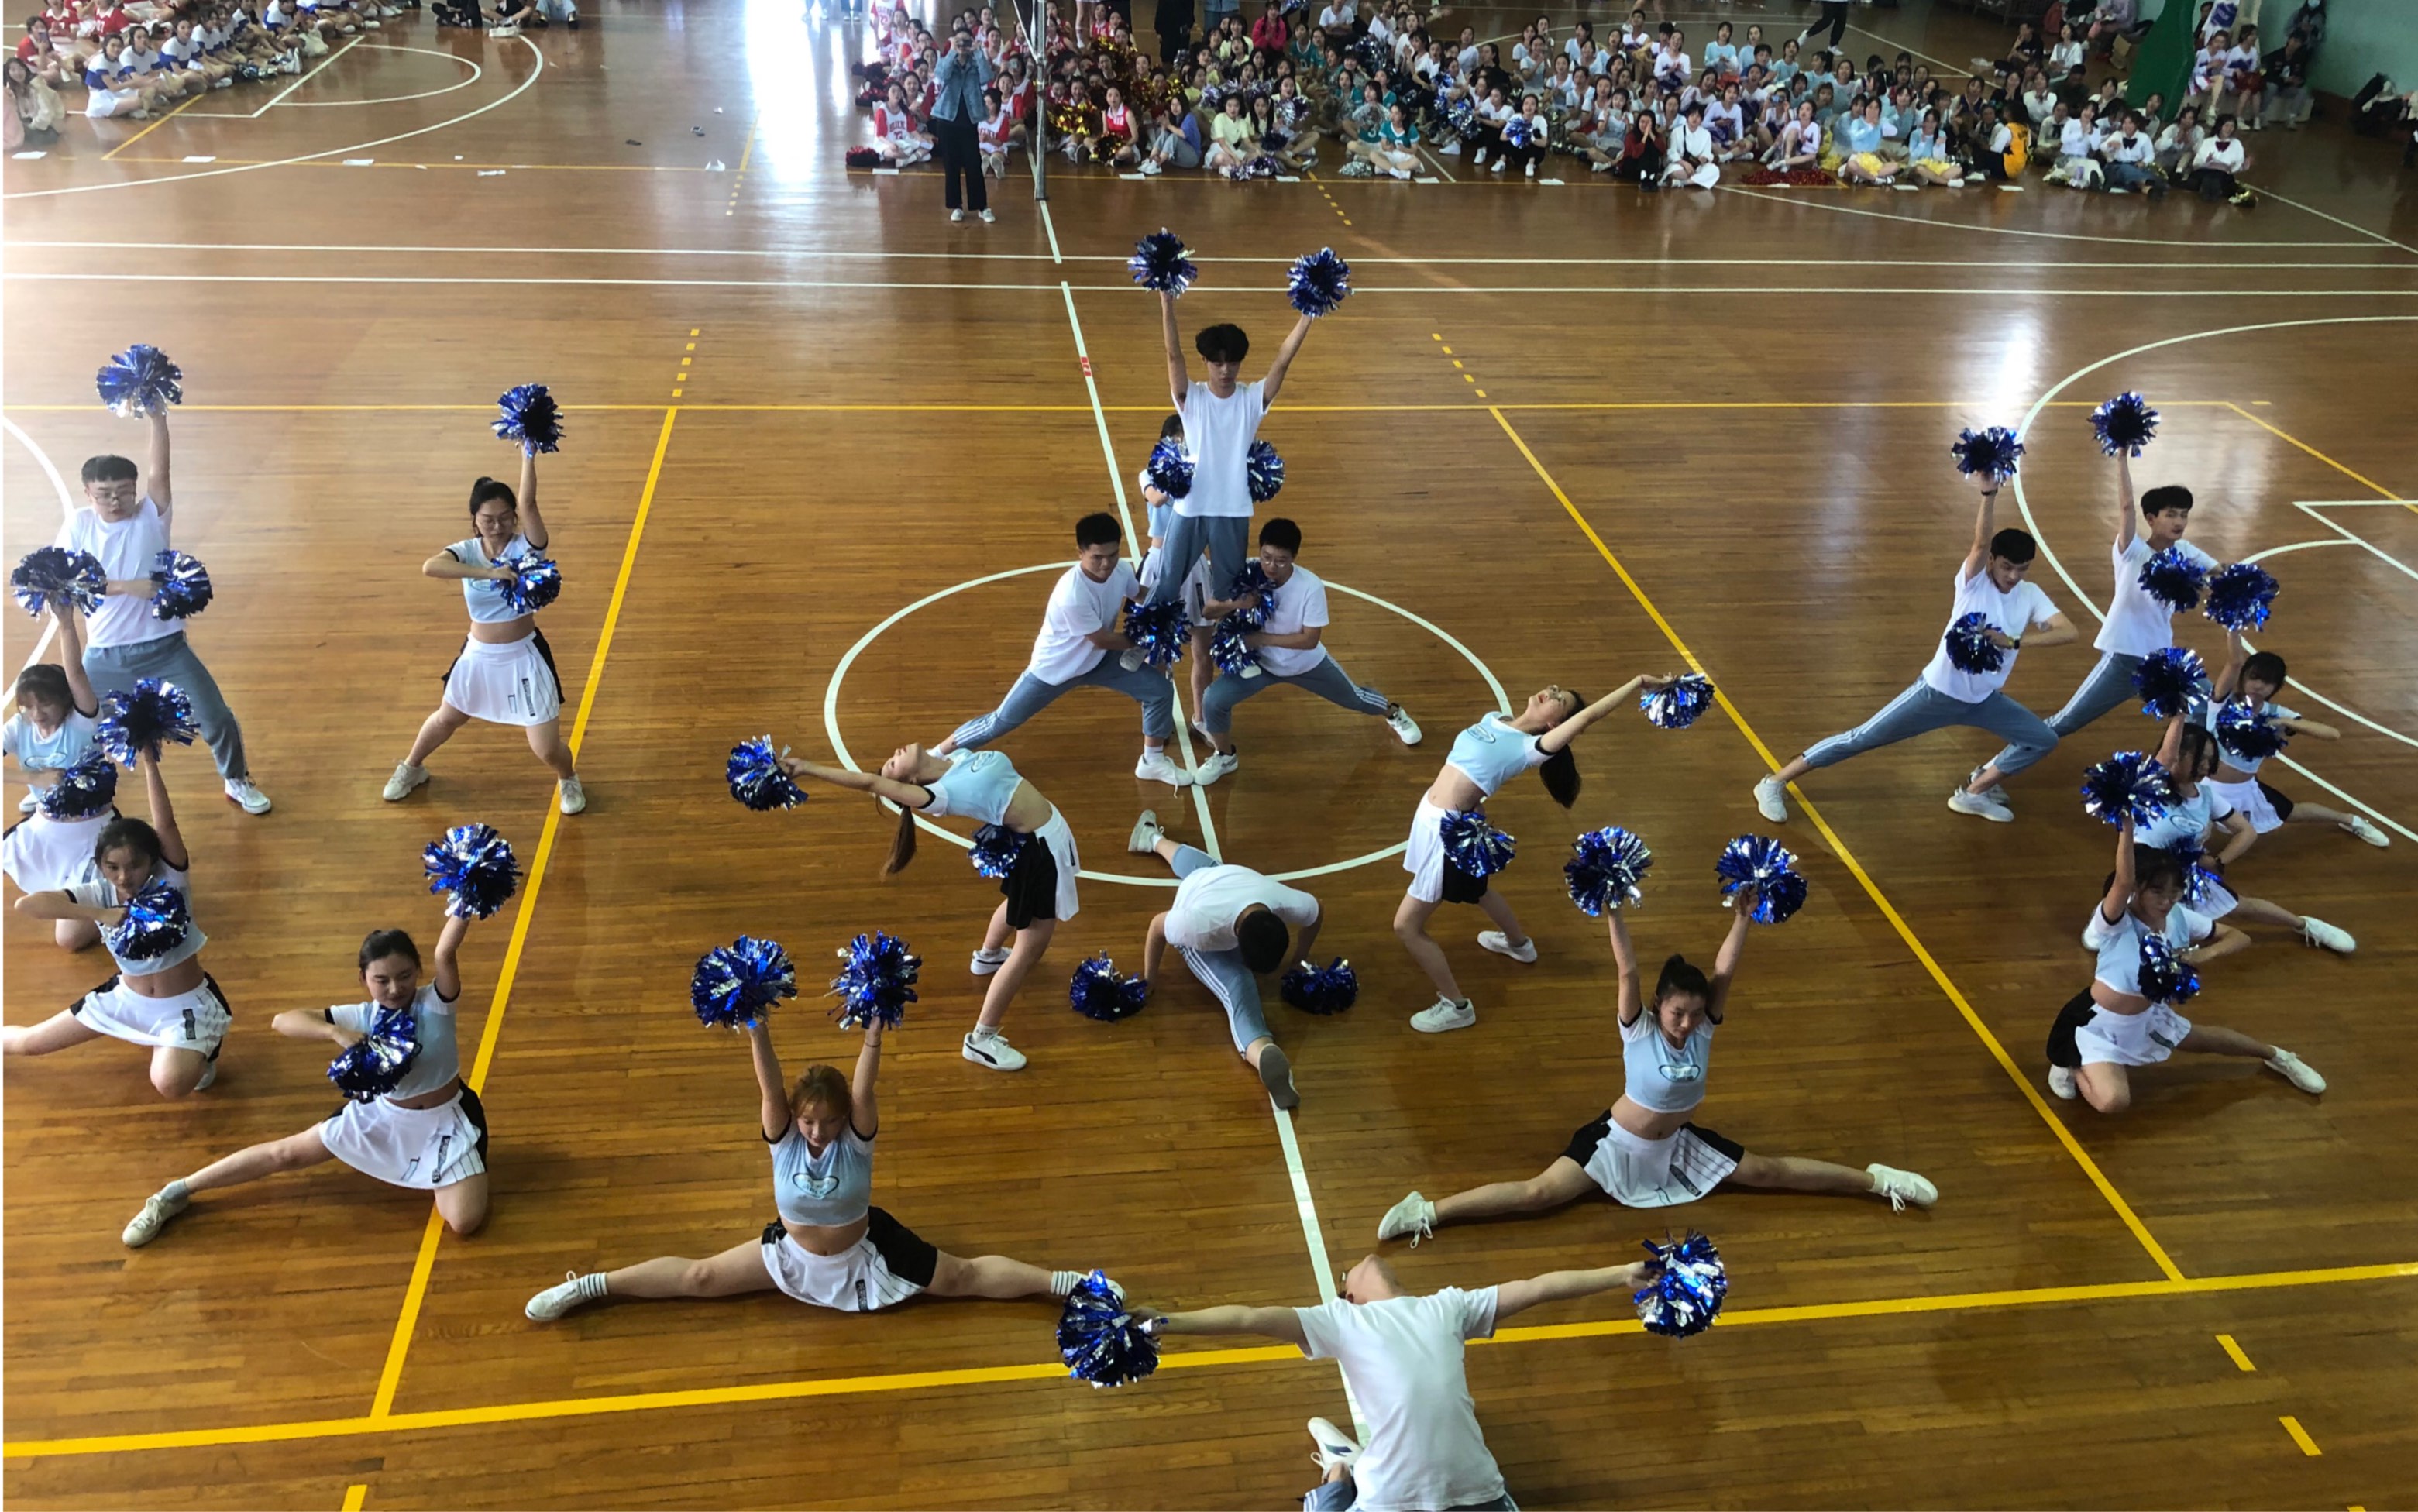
[
  {"x": 1222, "y": 971},
  {"x": 1224, "y": 537},
  {"x": 2109, "y": 685},
  {"x": 1326, "y": 680},
  {"x": 1922, "y": 708},
  {"x": 171, "y": 659},
  {"x": 1031, "y": 696}
]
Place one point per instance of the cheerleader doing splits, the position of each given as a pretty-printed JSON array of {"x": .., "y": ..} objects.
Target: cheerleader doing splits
[
  {"x": 165, "y": 1000},
  {"x": 505, "y": 673},
  {"x": 2196, "y": 810},
  {"x": 1484, "y": 756},
  {"x": 1037, "y": 893},
  {"x": 427, "y": 1134},
  {"x": 830, "y": 1246},
  {"x": 1644, "y": 1152}
]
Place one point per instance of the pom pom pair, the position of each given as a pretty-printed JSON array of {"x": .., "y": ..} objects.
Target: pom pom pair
[
  {"x": 1990, "y": 452},
  {"x": 140, "y": 381},
  {"x": 1971, "y": 647},
  {"x": 476, "y": 867},
  {"x": 1169, "y": 469},
  {"x": 2170, "y": 681},
  {"x": 2128, "y": 784},
  {"x": 1474, "y": 847},
  {"x": 54, "y": 577},
  {"x": 2165, "y": 976},
  {"x": 536, "y": 582},
  {"x": 1605, "y": 869},
  {"x": 2125, "y": 425},
  {"x": 1321, "y": 989},
  {"x": 996, "y": 850},
  {"x": 876, "y": 983},
  {"x": 1158, "y": 631},
  {"x": 1161, "y": 263},
  {"x": 1263, "y": 472},
  {"x": 735, "y": 983},
  {"x": 1318, "y": 282},
  {"x": 756, "y": 778},
  {"x": 157, "y": 922},
  {"x": 1098, "y": 992},
  {"x": 83, "y": 790},
  {"x": 1688, "y": 1285},
  {"x": 530, "y": 417},
  {"x": 376, "y": 1064},
  {"x": 1518, "y": 132},
  {"x": 1680, "y": 704},
  {"x": 2173, "y": 579},
  {"x": 2239, "y": 596},
  {"x": 145, "y": 721},
  {"x": 1768, "y": 867},
  {"x": 1099, "y": 1339},
  {"x": 180, "y": 587},
  {"x": 2247, "y": 733}
]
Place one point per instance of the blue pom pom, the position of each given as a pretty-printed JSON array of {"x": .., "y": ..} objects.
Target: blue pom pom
[
  {"x": 1098, "y": 992},
  {"x": 1263, "y": 470},
  {"x": 536, "y": 582},
  {"x": 1767, "y": 866},
  {"x": 1461, "y": 118},
  {"x": 1688, "y": 1288},
  {"x": 1171, "y": 468},
  {"x": 475, "y": 866},
  {"x": 876, "y": 983},
  {"x": 756, "y": 778},
  {"x": 1605, "y": 869},
  {"x": 2247, "y": 733},
  {"x": 84, "y": 789},
  {"x": 2165, "y": 976},
  {"x": 2125, "y": 424},
  {"x": 1319, "y": 281},
  {"x": 1993, "y": 451},
  {"x": 1971, "y": 647},
  {"x": 1477, "y": 847},
  {"x": 2170, "y": 681},
  {"x": 1517, "y": 132},
  {"x": 1100, "y": 1341},
  {"x": 1253, "y": 592},
  {"x": 145, "y": 720},
  {"x": 1321, "y": 989},
  {"x": 55, "y": 576},
  {"x": 1227, "y": 649},
  {"x": 2173, "y": 579},
  {"x": 1161, "y": 631},
  {"x": 530, "y": 417},
  {"x": 374, "y": 1065},
  {"x": 1159, "y": 263},
  {"x": 140, "y": 381},
  {"x": 2197, "y": 879},
  {"x": 157, "y": 920},
  {"x": 180, "y": 587},
  {"x": 2126, "y": 784},
  {"x": 996, "y": 850},
  {"x": 2240, "y": 595},
  {"x": 1679, "y": 705},
  {"x": 735, "y": 983}
]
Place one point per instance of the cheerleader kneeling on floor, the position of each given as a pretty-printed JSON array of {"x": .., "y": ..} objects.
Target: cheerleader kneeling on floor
[
  {"x": 426, "y": 1132},
  {"x": 829, "y": 1246},
  {"x": 51, "y": 732}
]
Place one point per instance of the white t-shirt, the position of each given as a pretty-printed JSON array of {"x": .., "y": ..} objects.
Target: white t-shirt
[
  {"x": 1208, "y": 902},
  {"x": 2013, "y": 613},
  {"x": 126, "y": 549},
  {"x": 2119, "y": 944},
  {"x": 1079, "y": 610},
  {"x": 2139, "y": 625},
  {"x": 1219, "y": 433},
  {"x": 1402, "y": 1358},
  {"x": 2219, "y": 152},
  {"x": 1301, "y": 604}
]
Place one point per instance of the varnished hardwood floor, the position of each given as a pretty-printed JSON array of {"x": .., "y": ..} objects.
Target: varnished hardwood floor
[{"x": 794, "y": 419}]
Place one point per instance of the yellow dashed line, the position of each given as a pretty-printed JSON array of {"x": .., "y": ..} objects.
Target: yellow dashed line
[
  {"x": 2240, "y": 1360},
  {"x": 2301, "y": 1436}
]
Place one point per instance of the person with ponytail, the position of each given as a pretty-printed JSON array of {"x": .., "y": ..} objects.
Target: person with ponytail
[
  {"x": 1484, "y": 756},
  {"x": 1645, "y": 1151},
  {"x": 505, "y": 672},
  {"x": 1028, "y": 844}
]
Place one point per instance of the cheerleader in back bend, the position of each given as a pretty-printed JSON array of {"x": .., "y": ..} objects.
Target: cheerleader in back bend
[
  {"x": 1644, "y": 1152},
  {"x": 505, "y": 673},
  {"x": 426, "y": 1133},
  {"x": 1038, "y": 891},
  {"x": 1484, "y": 756},
  {"x": 830, "y": 1246}
]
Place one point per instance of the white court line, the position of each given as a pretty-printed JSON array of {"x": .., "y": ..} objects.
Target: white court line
[
  {"x": 2347, "y": 225},
  {"x": 477, "y": 73},
  {"x": 299, "y": 80},
  {"x": 2338, "y": 529},
  {"x": 2016, "y": 231},
  {"x": 67, "y": 506}
]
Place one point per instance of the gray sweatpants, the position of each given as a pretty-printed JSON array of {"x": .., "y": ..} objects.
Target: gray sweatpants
[
  {"x": 2109, "y": 685},
  {"x": 169, "y": 658},
  {"x": 1222, "y": 971},
  {"x": 1326, "y": 680},
  {"x": 1224, "y": 537},
  {"x": 1031, "y": 696},
  {"x": 1922, "y": 709}
]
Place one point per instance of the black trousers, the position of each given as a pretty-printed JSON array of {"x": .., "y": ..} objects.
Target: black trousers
[
  {"x": 960, "y": 156},
  {"x": 1834, "y": 15}
]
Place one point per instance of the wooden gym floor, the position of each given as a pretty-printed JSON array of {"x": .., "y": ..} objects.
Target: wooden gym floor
[{"x": 1563, "y": 434}]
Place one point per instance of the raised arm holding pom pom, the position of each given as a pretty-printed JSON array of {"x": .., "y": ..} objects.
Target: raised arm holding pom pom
[{"x": 2254, "y": 681}]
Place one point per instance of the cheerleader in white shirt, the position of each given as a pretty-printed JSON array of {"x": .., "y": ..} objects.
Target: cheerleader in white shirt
[
  {"x": 1484, "y": 756},
  {"x": 426, "y": 1133},
  {"x": 1800, "y": 142},
  {"x": 2193, "y": 815},
  {"x": 2115, "y": 1024},
  {"x": 896, "y": 134},
  {"x": 162, "y": 998},
  {"x": 505, "y": 673},
  {"x": 2254, "y": 681},
  {"x": 51, "y": 731}
]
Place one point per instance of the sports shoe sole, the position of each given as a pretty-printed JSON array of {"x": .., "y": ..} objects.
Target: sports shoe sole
[{"x": 1276, "y": 1075}]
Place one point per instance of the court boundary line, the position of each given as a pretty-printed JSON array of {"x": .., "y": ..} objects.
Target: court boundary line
[
  {"x": 1471, "y": 406},
  {"x": 478, "y": 72},
  {"x": 2019, "y": 231}
]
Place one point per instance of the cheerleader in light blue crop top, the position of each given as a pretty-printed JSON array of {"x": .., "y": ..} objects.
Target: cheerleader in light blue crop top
[
  {"x": 505, "y": 672},
  {"x": 1037, "y": 888},
  {"x": 829, "y": 1246},
  {"x": 2190, "y": 757},
  {"x": 1644, "y": 1152},
  {"x": 1484, "y": 758}
]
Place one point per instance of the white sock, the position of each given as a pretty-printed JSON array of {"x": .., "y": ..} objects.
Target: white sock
[
  {"x": 589, "y": 1286},
  {"x": 1063, "y": 1283}
]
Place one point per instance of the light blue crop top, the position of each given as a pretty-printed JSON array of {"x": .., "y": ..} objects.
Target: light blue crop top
[
  {"x": 1662, "y": 1077},
  {"x": 487, "y": 601},
  {"x": 979, "y": 785},
  {"x": 2185, "y": 819},
  {"x": 55, "y": 752},
  {"x": 1490, "y": 753},
  {"x": 100, "y": 893},
  {"x": 823, "y": 1191},
  {"x": 439, "y": 1060}
]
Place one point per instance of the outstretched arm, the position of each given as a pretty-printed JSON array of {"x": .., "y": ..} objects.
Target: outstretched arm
[
  {"x": 156, "y": 482},
  {"x": 774, "y": 1114},
  {"x": 1985, "y": 525},
  {"x": 2170, "y": 749},
  {"x": 1567, "y": 730},
  {"x": 906, "y": 794},
  {"x": 1269, "y": 1323},
  {"x": 164, "y": 814},
  {"x": 1179, "y": 383},
  {"x": 1514, "y": 1297},
  {"x": 2124, "y": 512},
  {"x": 80, "y": 690},
  {"x": 865, "y": 1116},
  {"x": 1285, "y": 353},
  {"x": 1732, "y": 949},
  {"x": 2119, "y": 886},
  {"x": 532, "y": 523},
  {"x": 1624, "y": 955},
  {"x": 2229, "y": 677},
  {"x": 447, "y": 977}
]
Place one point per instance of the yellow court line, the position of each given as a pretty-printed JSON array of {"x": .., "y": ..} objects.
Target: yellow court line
[
  {"x": 2301, "y": 1436},
  {"x": 331, "y": 162},
  {"x": 1181, "y": 1360},
  {"x": 355, "y": 1496},
  {"x": 2233, "y": 1351},
  {"x": 1855, "y": 868},
  {"x": 407, "y": 1323},
  {"x": 1125, "y": 409},
  {"x": 2322, "y": 457},
  {"x": 156, "y": 123}
]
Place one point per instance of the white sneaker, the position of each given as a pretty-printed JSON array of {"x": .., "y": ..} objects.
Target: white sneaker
[
  {"x": 29, "y": 803},
  {"x": 1398, "y": 720},
  {"x": 1412, "y": 1218},
  {"x": 1979, "y": 806},
  {"x": 2061, "y": 1083},
  {"x": 1450, "y": 149},
  {"x": 1500, "y": 943},
  {"x": 555, "y": 1301},
  {"x": 405, "y": 778},
  {"x": 986, "y": 962},
  {"x": 989, "y": 1048},
  {"x": 210, "y": 1074},
  {"x": 956, "y": 215},
  {"x": 1478, "y": 157},
  {"x": 1156, "y": 766},
  {"x": 1496, "y": 166},
  {"x": 986, "y": 216},
  {"x": 1532, "y": 169},
  {"x": 1441, "y": 1017},
  {"x": 2368, "y": 832},
  {"x": 1149, "y": 168},
  {"x": 1131, "y": 658},
  {"x": 2315, "y": 931},
  {"x": 1771, "y": 799},
  {"x": 1219, "y": 764},
  {"x": 1276, "y": 1075},
  {"x": 1901, "y": 1187},
  {"x": 573, "y": 797},
  {"x": 1146, "y": 833},
  {"x": 1336, "y": 1449},
  {"x": 241, "y": 790},
  {"x": 145, "y": 1227},
  {"x": 2292, "y": 1069}
]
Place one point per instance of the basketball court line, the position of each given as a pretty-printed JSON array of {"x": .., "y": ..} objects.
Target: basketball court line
[
  {"x": 478, "y": 72},
  {"x": 1471, "y": 407},
  {"x": 66, "y": 507},
  {"x": 2018, "y": 231},
  {"x": 304, "y": 78}
]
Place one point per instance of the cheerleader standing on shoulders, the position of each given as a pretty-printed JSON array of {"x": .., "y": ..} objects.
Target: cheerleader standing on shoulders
[
  {"x": 2189, "y": 756},
  {"x": 830, "y": 1246},
  {"x": 2256, "y": 680},
  {"x": 1484, "y": 756},
  {"x": 163, "y": 1000},
  {"x": 51, "y": 731},
  {"x": 426, "y": 1134},
  {"x": 1038, "y": 891},
  {"x": 505, "y": 673},
  {"x": 1645, "y": 1151}
]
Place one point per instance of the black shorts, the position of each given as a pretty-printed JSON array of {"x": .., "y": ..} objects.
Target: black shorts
[
  {"x": 1030, "y": 886},
  {"x": 2062, "y": 1050},
  {"x": 910, "y": 1257},
  {"x": 2282, "y": 805},
  {"x": 1458, "y": 886},
  {"x": 1582, "y": 1146}
]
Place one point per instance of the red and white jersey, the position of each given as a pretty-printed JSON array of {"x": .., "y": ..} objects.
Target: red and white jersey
[
  {"x": 893, "y": 125},
  {"x": 1117, "y": 121}
]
